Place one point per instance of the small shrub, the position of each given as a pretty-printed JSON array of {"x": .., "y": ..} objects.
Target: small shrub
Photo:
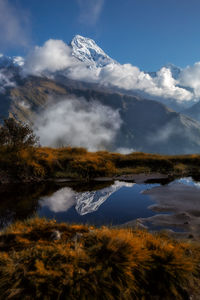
[{"x": 16, "y": 135}]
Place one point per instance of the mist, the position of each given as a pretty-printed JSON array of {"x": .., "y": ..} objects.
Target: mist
[
  {"x": 6, "y": 80},
  {"x": 77, "y": 122}
]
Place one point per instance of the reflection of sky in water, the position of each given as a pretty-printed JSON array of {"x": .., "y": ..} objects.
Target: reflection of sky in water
[
  {"x": 186, "y": 181},
  {"x": 85, "y": 202},
  {"x": 116, "y": 204}
]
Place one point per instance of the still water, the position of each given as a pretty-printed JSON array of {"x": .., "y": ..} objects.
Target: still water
[{"x": 103, "y": 203}]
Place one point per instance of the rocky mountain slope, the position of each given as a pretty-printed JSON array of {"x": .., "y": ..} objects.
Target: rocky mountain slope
[
  {"x": 193, "y": 112},
  {"x": 146, "y": 125},
  {"x": 87, "y": 51}
]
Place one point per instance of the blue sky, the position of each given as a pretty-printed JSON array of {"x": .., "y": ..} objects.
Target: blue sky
[{"x": 146, "y": 33}]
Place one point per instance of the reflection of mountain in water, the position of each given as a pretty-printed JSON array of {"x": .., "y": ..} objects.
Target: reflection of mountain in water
[
  {"x": 21, "y": 201},
  {"x": 84, "y": 202},
  {"x": 90, "y": 201}
]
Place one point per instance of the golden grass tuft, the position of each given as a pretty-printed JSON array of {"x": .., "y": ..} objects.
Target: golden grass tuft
[
  {"x": 94, "y": 263},
  {"x": 43, "y": 162}
]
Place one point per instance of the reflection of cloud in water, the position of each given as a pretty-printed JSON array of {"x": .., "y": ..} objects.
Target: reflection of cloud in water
[
  {"x": 86, "y": 202},
  {"x": 60, "y": 201},
  {"x": 187, "y": 181}
]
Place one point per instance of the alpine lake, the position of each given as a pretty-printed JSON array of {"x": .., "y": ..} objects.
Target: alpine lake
[{"x": 159, "y": 204}]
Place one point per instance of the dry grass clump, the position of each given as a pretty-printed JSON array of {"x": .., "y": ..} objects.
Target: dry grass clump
[
  {"x": 79, "y": 162},
  {"x": 43, "y": 162},
  {"x": 91, "y": 263}
]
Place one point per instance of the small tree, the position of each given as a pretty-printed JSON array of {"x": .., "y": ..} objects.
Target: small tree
[{"x": 16, "y": 135}]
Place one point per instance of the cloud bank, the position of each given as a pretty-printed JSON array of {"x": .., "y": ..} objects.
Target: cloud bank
[
  {"x": 55, "y": 56},
  {"x": 90, "y": 11},
  {"x": 190, "y": 77},
  {"x": 130, "y": 77},
  {"x": 74, "y": 121},
  {"x": 13, "y": 26}
]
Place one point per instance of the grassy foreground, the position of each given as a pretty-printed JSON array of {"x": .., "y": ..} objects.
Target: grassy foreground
[
  {"x": 78, "y": 163},
  {"x": 90, "y": 263}
]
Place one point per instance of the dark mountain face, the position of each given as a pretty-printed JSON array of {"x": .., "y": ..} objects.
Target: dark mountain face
[
  {"x": 193, "y": 112},
  {"x": 147, "y": 125}
]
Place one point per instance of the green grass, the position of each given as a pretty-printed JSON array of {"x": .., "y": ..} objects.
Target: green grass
[{"x": 95, "y": 263}]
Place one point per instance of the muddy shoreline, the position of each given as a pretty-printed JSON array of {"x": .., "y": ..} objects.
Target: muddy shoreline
[
  {"x": 175, "y": 209},
  {"x": 137, "y": 178}
]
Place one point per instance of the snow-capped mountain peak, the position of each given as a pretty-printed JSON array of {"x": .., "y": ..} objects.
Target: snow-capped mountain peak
[
  {"x": 175, "y": 71},
  {"x": 86, "y": 50}
]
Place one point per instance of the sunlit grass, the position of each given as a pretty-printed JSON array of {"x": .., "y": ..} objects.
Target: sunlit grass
[
  {"x": 94, "y": 263},
  {"x": 78, "y": 163}
]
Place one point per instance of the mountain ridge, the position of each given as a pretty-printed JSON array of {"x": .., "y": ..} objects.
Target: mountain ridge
[
  {"x": 147, "y": 125},
  {"x": 87, "y": 51}
]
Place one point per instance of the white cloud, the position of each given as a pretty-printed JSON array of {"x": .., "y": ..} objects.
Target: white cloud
[
  {"x": 129, "y": 77},
  {"x": 55, "y": 55},
  {"x": 90, "y": 11},
  {"x": 163, "y": 134},
  {"x": 14, "y": 26},
  {"x": 190, "y": 77},
  {"x": 6, "y": 80},
  {"x": 77, "y": 122},
  {"x": 24, "y": 105},
  {"x": 124, "y": 150},
  {"x": 167, "y": 87}
]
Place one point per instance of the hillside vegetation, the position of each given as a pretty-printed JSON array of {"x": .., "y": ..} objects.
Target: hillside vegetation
[
  {"x": 21, "y": 158},
  {"x": 41, "y": 259},
  {"x": 77, "y": 163}
]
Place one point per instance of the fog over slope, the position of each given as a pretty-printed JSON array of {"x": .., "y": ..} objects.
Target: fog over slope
[
  {"x": 75, "y": 121},
  {"x": 73, "y": 114}
]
